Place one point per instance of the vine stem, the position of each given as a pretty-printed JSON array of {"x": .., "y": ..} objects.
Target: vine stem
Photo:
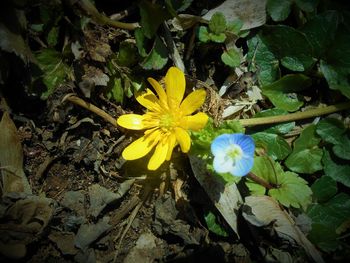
[{"x": 296, "y": 115}]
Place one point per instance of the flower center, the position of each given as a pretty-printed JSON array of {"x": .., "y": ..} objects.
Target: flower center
[
  {"x": 235, "y": 152},
  {"x": 166, "y": 121}
]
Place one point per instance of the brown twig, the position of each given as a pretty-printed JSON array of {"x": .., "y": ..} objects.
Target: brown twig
[
  {"x": 259, "y": 180},
  {"x": 87, "y": 105}
]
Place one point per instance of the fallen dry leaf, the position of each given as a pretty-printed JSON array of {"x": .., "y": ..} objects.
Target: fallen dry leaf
[{"x": 11, "y": 159}]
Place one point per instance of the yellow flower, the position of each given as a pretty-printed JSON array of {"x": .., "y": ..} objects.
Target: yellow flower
[{"x": 167, "y": 120}]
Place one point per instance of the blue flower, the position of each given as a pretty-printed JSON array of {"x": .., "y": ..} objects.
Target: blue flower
[{"x": 233, "y": 153}]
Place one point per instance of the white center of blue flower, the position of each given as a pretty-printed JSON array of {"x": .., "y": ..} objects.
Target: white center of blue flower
[{"x": 234, "y": 153}]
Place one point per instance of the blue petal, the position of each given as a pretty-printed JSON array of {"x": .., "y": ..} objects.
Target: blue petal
[
  {"x": 243, "y": 166},
  {"x": 220, "y": 144},
  {"x": 222, "y": 164},
  {"x": 247, "y": 145}
]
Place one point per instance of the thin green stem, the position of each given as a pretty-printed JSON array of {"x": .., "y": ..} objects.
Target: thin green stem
[{"x": 296, "y": 115}]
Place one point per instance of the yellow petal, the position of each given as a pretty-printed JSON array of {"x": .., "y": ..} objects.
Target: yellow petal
[
  {"x": 131, "y": 121},
  {"x": 175, "y": 86},
  {"x": 149, "y": 100},
  {"x": 140, "y": 147},
  {"x": 172, "y": 143},
  {"x": 193, "y": 101},
  {"x": 194, "y": 122},
  {"x": 158, "y": 156},
  {"x": 183, "y": 138},
  {"x": 160, "y": 91}
]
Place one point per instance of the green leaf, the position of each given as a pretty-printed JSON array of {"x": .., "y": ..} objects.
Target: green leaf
[
  {"x": 232, "y": 57},
  {"x": 338, "y": 172},
  {"x": 342, "y": 148},
  {"x": 280, "y": 91},
  {"x": 203, "y": 34},
  {"x": 330, "y": 130},
  {"x": 235, "y": 26},
  {"x": 327, "y": 218},
  {"x": 290, "y": 46},
  {"x": 338, "y": 78},
  {"x": 336, "y": 63},
  {"x": 320, "y": 31},
  {"x": 217, "y": 38},
  {"x": 201, "y": 140},
  {"x": 217, "y": 23},
  {"x": 11, "y": 29},
  {"x": 52, "y": 37},
  {"x": 54, "y": 69},
  {"x": 140, "y": 42},
  {"x": 276, "y": 146},
  {"x": 213, "y": 226},
  {"x": 175, "y": 6},
  {"x": 158, "y": 56},
  {"x": 307, "y": 5},
  {"x": 306, "y": 156},
  {"x": 278, "y": 9},
  {"x": 263, "y": 60},
  {"x": 117, "y": 91},
  {"x": 127, "y": 54},
  {"x": 324, "y": 189},
  {"x": 324, "y": 237},
  {"x": 291, "y": 190},
  {"x": 152, "y": 16},
  {"x": 282, "y": 128}
]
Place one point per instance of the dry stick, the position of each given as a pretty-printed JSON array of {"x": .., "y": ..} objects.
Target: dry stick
[
  {"x": 259, "y": 180},
  {"x": 87, "y": 105},
  {"x": 100, "y": 18},
  {"x": 296, "y": 116},
  {"x": 131, "y": 219}
]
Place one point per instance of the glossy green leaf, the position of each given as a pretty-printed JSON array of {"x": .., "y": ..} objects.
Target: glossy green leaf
[
  {"x": 279, "y": 10},
  {"x": 342, "y": 148},
  {"x": 152, "y": 15},
  {"x": 324, "y": 189},
  {"x": 158, "y": 56},
  {"x": 320, "y": 31},
  {"x": 281, "y": 92},
  {"x": 290, "y": 46},
  {"x": 232, "y": 57},
  {"x": 338, "y": 172},
  {"x": 306, "y": 156},
  {"x": 277, "y": 148},
  {"x": 337, "y": 77},
  {"x": 263, "y": 61},
  {"x": 330, "y": 130},
  {"x": 327, "y": 218}
]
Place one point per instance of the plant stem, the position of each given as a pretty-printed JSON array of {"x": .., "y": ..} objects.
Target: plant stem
[
  {"x": 100, "y": 18},
  {"x": 259, "y": 180},
  {"x": 87, "y": 105},
  {"x": 296, "y": 115}
]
